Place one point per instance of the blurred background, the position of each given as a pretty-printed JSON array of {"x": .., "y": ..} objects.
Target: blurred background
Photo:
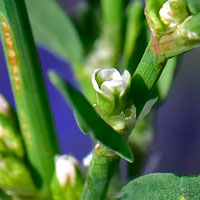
[{"x": 177, "y": 126}]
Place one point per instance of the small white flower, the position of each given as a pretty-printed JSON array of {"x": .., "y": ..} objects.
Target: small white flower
[
  {"x": 65, "y": 169},
  {"x": 113, "y": 100},
  {"x": 111, "y": 88}
]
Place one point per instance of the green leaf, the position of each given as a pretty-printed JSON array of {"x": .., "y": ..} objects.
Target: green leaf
[
  {"x": 166, "y": 78},
  {"x": 162, "y": 186},
  {"x": 83, "y": 127},
  {"x": 28, "y": 86},
  {"x": 99, "y": 129},
  {"x": 194, "y": 6},
  {"x": 53, "y": 28}
]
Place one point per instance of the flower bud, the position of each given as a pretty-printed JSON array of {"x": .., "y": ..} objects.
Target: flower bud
[
  {"x": 68, "y": 181},
  {"x": 174, "y": 28},
  {"x": 113, "y": 98},
  {"x": 173, "y": 12},
  {"x": 65, "y": 169},
  {"x": 112, "y": 89}
]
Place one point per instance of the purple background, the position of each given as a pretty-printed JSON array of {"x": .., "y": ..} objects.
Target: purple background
[{"x": 177, "y": 145}]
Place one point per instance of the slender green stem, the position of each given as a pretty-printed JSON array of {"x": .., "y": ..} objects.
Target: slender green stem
[
  {"x": 146, "y": 77},
  {"x": 112, "y": 12},
  {"x": 29, "y": 90},
  {"x": 102, "y": 167},
  {"x": 106, "y": 52},
  {"x": 134, "y": 29},
  {"x": 112, "y": 18}
]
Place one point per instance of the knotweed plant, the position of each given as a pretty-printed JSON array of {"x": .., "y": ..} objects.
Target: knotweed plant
[{"x": 124, "y": 68}]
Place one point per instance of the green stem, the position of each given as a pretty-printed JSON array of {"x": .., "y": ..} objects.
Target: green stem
[
  {"x": 106, "y": 51},
  {"x": 112, "y": 12},
  {"x": 146, "y": 76},
  {"x": 102, "y": 167},
  {"x": 134, "y": 29},
  {"x": 29, "y": 91}
]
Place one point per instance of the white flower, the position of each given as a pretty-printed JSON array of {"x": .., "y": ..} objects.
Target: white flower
[
  {"x": 113, "y": 100},
  {"x": 65, "y": 169},
  {"x": 111, "y": 88}
]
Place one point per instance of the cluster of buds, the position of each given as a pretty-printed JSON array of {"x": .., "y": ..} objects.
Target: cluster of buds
[
  {"x": 113, "y": 98},
  {"x": 175, "y": 27}
]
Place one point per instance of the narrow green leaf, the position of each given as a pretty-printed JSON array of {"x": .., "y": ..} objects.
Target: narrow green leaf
[
  {"x": 53, "y": 28},
  {"x": 166, "y": 78},
  {"x": 29, "y": 90},
  {"x": 99, "y": 129},
  {"x": 162, "y": 186}
]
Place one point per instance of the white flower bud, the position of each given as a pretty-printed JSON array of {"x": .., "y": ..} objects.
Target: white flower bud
[
  {"x": 173, "y": 12},
  {"x": 4, "y": 106},
  {"x": 65, "y": 169},
  {"x": 113, "y": 100},
  {"x": 111, "y": 88}
]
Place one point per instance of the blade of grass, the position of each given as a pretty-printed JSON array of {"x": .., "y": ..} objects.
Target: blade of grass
[{"x": 29, "y": 90}]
